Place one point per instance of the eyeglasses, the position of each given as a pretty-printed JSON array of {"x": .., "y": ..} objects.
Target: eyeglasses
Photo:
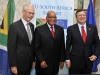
[
  {"x": 51, "y": 17},
  {"x": 30, "y": 12}
]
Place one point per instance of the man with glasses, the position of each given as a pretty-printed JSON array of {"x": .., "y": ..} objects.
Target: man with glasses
[{"x": 20, "y": 43}]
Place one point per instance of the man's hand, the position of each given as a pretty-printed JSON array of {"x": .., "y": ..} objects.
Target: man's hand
[
  {"x": 43, "y": 64},
  {"x": 93, "y": 58},
  {"x": 68, "y": 64},
  {"x": 14, "y": 70},
  {"x": 33, "y": 65},
  {"x": 61, "y": 65}
]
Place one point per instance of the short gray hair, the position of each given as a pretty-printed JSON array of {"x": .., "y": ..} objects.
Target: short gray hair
[{"x": 25, "y": 6}]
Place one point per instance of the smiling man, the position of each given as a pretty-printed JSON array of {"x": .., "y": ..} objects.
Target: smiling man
[
  {"x": 20, "y": 43},
  {"x": 49, "y": 46},
  {"x": 80, "y": 40}
]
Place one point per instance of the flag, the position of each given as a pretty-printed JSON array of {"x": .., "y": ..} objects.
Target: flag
[
  {"x": 90, "y": 14},
  {"x": 60, "y": 22},
  {"x": 7, "y": 20},
  {"x": 91, "y": 20}
]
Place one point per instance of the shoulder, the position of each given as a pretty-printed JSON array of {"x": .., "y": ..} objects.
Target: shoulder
[
  {"x": 40, "y": 27},
  {"x": 57, "y": 26},
  {"x": 15, "y": 24},
  {"x": 72, "y": 26},
  {"x": 91, "y": 26}
]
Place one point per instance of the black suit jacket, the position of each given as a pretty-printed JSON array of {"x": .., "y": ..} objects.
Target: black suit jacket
[
  {"x": 79, "y": 52},
  {"x": 49, "y": 49},
  {"x": 20, "y": 51}
]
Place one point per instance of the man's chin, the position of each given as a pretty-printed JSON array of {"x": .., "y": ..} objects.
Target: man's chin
[{"x": 52, "y": 23}]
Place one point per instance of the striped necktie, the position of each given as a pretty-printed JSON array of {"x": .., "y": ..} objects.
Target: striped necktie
[{"x": 29, "y": 33}]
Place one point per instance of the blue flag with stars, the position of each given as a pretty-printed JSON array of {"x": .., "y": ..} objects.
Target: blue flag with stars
[{"x": 91, "y": 20}]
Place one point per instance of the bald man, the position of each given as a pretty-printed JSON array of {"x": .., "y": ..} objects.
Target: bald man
[
  {"x": 49, "y": 46},
  {"x": 20, "y": 43}
]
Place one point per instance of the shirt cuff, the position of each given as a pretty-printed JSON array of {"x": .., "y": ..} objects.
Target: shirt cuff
[{"x": 67, "y": 60}]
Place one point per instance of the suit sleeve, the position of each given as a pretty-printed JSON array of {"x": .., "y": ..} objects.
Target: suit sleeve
[
  {"x": 38, "y": 52},
  {"x": 96, "y": 43},
  {"x": 62, "y": 47},
  {"x": 11, "y": 45},
  {"x": 68, "y": 43}
]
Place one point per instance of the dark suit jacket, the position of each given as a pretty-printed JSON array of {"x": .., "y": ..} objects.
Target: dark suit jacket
[
  {"x": 79, "y": 52},
  {"x": 49, "y": 49},
  {"x": 20, "y": 51}
]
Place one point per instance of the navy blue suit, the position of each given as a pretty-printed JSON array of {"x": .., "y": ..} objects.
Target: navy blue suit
[{"x": 79, "y": 52}]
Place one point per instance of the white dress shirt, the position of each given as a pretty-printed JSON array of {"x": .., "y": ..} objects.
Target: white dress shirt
[
  {"x": 25, "y": 25},
  {"x": 50, "y": 27},
  {"x": 80, "y": 27}
]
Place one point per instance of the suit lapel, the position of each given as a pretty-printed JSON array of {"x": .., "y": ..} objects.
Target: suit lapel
[
  {"x": 56, "y": 31},
  {"x": 47, "y": 30},
  {"x": 88, "y": 32},
  {"x": 78, "y": 32},
  {"x": 23, "y": 30}
]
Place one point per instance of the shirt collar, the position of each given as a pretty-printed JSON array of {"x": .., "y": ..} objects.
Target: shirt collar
[
  {"x": 24, "y": 22},
  {"x": 79, "y": 25},
  {"x": 50, "y": 25}
]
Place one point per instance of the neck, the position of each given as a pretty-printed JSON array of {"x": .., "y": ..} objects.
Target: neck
[{"x": 81, "y": 23}]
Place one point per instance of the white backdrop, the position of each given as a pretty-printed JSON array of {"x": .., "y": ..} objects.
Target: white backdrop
[{"x": 64, "y": 10}]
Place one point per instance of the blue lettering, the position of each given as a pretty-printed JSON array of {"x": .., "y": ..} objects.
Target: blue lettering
[
  {"x": 64, "y": 8},
  {"x": 47, "y": 7},
  {"x": 44, "y": 12},
  {"x": 35, "y": 6}
]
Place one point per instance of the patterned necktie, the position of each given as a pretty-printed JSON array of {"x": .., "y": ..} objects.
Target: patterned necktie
[
  {"x": 52, "y": 31},
  {"x": 29, "y": 33},
  {"x": 83, "y": 34}
]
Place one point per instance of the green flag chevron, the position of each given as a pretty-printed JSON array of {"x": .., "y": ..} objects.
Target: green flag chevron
[{"x": 7, "y": 20}]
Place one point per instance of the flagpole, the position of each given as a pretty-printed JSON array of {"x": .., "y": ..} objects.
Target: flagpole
[{"x": 94, "y": 4}]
